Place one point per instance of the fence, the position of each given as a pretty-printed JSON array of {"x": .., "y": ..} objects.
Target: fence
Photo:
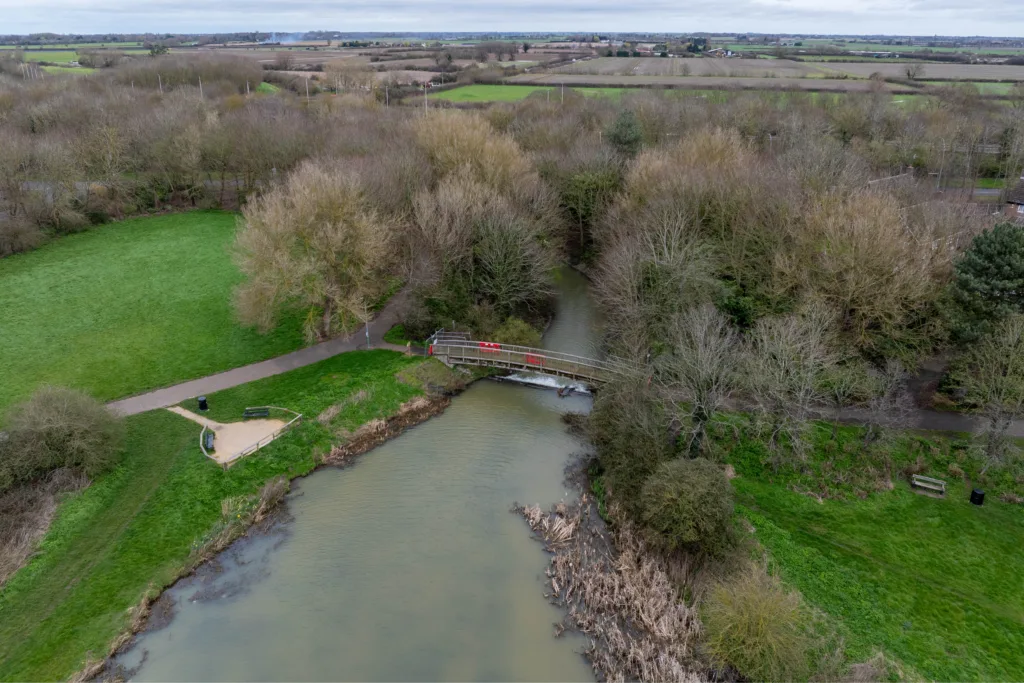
[{"x": 256, "y": 446}]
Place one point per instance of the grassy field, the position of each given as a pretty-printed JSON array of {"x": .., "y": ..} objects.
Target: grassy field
[
  {"x": 510, "y": 93},
  {"x": 76, "y": 70},
  {"x": 127, "y": 307},
  {"x": 56, "y": 56},
  {"x": 984, "y": 87},
  {"x": 137, "y": 526},
  {"x": 939, "y": 589}
]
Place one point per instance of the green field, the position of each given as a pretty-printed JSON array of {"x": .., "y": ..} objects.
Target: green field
[
  {"x": 76, "y": 70},
  {"x": 137, "y": 526},
  {"x": 984, "y": 87},
  {"x": 510, "y": 93},
  {"x": 56, "y": 56},
  {"x": 127, "y": 307},
  {"x": 935, "y": 583}
]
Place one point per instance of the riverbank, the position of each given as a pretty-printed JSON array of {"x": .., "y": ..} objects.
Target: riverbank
[{"x": 115, "y": 546}]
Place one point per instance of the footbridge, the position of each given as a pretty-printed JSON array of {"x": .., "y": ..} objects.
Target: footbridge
[{"x": 457, "y": 348}]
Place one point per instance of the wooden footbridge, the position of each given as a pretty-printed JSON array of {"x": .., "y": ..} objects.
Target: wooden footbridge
[{"x": 456, "y": 348}]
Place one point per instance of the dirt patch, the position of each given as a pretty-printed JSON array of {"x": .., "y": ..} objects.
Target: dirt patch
[{"x": 373, "y": 434}]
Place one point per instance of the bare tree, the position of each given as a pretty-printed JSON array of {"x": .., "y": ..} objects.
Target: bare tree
[
  {"x": 702, "y": 366},
  {"x": 316, "y": 245},
  {"x": 914, "y": 71},
  {"x": 786, "y": 363},
  {"x": 992, "y": 374},
  {"x": 890, "y": 406}
]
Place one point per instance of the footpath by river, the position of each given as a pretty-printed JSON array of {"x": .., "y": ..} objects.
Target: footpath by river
[{"x": 407, "y": 565}]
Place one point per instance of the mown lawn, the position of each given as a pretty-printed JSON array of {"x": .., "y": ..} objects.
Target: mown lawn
[
  {"x": 137, "y": 525},
  {"x": 127, "y": 307},
  {"x": 76, "y": 70},
  {"x": 936, "y": 583}
]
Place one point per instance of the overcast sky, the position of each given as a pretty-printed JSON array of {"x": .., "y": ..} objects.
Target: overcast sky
[{"x": 895, "y": 17}]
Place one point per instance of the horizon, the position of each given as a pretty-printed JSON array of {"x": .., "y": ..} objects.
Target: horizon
[{"x": 945, "y": 18}]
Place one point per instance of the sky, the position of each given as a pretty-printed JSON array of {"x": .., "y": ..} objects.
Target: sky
[{"x": 841, "y": 17}]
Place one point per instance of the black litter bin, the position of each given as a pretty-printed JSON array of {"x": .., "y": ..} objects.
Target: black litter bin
[
  {"x": 978, "y": 497},
  {"x": 202, "y": 403}
]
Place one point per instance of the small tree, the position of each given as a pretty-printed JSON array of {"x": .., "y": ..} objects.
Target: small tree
[
  {"x": 914, "y": 71},
  {"x": 702, "y": 363},
  {"x": 526, "y": 47},
  {"x": 157, "y": 50},
  {"x": 57, "y": 427},
  {"x": 687, "y": 504},
  {"x": 755, "y": 625},
  {"x": 989, "y": 280},
  {"x": 786, "y": 364},
  {"x": 992, "y": 374},
  {"x": 625, "y": 134},
  {"x": 313, "y": 244}
]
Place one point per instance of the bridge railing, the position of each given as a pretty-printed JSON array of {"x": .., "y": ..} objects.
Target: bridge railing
[{"x": 513, "y": 357}]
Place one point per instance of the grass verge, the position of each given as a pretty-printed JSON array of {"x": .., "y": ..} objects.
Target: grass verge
[
  {"x": 127, "y": 307},
  {"x": 138, "y": 527}
]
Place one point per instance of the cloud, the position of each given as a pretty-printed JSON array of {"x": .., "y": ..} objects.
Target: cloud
[{"x": 892, "y": 17}]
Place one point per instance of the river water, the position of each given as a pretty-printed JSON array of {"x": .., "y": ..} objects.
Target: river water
[{"x": 407, "y": 565}]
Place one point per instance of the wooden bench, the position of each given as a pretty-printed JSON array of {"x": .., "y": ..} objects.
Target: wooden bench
[
  {"x": 936, "y": 485},
  {"x": 208, "y": 441},
  {"x": 256, "y": 412}
]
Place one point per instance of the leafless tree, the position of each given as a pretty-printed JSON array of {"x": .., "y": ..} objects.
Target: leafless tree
[
  {"x": 914, "y": 71},
  {"x": 992, "y": 374},
  {"x": 787, "y": 359},
  {"x": 702, "y": 365},
  {"x": 316, "y": 245},
  {"x": 890, "y": 406}
]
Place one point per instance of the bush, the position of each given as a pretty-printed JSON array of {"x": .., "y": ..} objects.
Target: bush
[
  {"x": 687, "y": 505},
  {"x": 518, "y": 332},
  {"x": 56, "y": 428},
  {"x": 625, "y": 135},
  {"x": 755, "y": 625},
  {"x": 989, "y": 282}
]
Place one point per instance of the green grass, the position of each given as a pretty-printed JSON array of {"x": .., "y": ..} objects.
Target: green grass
[
  {"x": 56, "y": 56},
  {"x": 933, "y": 582},
  {"x": 510, "y": 93},
  {"x": 137, "y": 525},
  {"x": 267, "y": 88},
  {"x": 127, "y": 307},
  {"x": 984, "y": 87},
  {"x": 77, "y": 70}
]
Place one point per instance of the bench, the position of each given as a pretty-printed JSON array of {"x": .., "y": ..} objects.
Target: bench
[
  {"x": 208, "y": 440},
  {"x": 256, "y": 412},
  {"x": 936, "y": 485}
]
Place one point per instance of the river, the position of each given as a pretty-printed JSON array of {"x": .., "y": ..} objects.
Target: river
[{"x": 407, "y": 565}]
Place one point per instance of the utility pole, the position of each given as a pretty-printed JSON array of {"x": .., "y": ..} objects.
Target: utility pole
[
  {"x": 247, "y": 87},
  {"x": 307, "y": 92},
  {"x": 386, "y": 103},
  {"x": 424, "y": 98},
  {"x": 160, "y": 83},
  {"x": 563, "y": 93},
  {"x": 200, "y": 87}
]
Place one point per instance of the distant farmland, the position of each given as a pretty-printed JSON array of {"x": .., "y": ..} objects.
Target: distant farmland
[
  {"x": 709, "y": 82},
  {"x": 657, "y": 66},
  {"x": 934, "y": 71}
]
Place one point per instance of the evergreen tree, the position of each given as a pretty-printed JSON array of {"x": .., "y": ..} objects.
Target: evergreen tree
[
  {"x": 625, "y": 134},
  {"x": 989, "y": 281}
]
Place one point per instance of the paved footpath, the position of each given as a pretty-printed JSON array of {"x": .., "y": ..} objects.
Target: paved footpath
[{"x": 169, "y": 396}]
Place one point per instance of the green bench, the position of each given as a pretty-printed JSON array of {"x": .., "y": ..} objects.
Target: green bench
[
  {"x": 256, "y": 412},
  {"x": 208, "y": 441}
]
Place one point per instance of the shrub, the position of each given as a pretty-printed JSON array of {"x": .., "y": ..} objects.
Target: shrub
[
  {"x": 687, "y": 505},
  {"x": 517, "y": 331},
  {"x": 626, "y": 134},
  {"x": 629, "y": 426},
  {"x": 755, "y": 625},
  {"x": 57, "y": 427},
  {"x": 989, "y": 283}
]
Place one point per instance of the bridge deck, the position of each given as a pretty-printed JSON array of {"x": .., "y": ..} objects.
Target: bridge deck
[{"x": 461, "y": 350}]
